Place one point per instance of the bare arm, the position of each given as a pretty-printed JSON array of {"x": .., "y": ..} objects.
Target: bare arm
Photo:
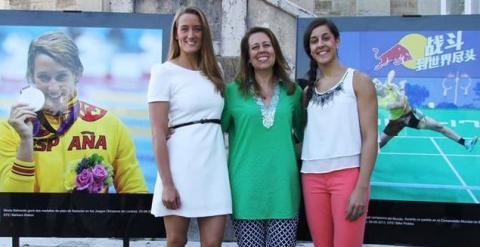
[
  {"x": 158, "y": 112},
  {"x": 367, "y": 110}
]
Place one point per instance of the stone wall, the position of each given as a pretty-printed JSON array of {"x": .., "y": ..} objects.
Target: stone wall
[{"x": 229, "y": 19}]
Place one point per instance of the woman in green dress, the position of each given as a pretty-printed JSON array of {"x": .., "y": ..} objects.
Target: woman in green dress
[{"x": 261, "y": 114}]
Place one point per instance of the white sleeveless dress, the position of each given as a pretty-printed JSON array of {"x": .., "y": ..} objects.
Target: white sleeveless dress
[{"x": 196, "y": 152}]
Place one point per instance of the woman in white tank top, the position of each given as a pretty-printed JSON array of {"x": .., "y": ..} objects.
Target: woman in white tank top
[{"x": 340, "y": 143}]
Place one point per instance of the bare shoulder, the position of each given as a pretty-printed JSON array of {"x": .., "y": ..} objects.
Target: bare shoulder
[
  {"x": 363, "y": 84},
  {"x": 361, "y": 78}
]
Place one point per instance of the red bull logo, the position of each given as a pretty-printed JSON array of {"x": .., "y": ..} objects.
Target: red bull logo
[{"x": 398, "y": 54}]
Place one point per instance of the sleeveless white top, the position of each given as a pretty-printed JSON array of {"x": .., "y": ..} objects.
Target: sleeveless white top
[{"x": 332, "y": 138}]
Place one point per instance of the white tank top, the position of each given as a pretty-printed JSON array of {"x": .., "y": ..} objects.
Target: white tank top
[{"x": 332, "y": 138}]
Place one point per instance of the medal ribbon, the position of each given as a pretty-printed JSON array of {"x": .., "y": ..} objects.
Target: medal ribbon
[{"x": 42, "y": 123}]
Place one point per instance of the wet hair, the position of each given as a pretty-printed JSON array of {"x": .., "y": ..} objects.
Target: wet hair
[
  {"x": 207, "y": 62},
  {"x": 312, "y": 72},
  {"x": 60, "y": 47},
  {"x": 246, "y": 75}
]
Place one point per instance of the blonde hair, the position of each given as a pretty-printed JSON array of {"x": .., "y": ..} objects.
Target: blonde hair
[
  {"x": 207, "y": 62},
  {"x": 60, "y": 47}
]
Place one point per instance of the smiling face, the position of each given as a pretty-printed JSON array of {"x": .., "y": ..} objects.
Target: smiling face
[
  {"x": 189, "y": 33},
  {"x": 260, "y": 51},
  {"x": 323, "y": 45},
  {"x": 55, "y": 81}
]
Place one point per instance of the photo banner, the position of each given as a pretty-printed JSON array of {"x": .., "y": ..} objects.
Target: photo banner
[
  {"x": 425, "y": 189},
  {"x": 93, "y": 164}
]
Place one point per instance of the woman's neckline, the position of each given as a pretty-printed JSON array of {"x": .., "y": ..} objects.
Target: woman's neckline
[
  {"x": 181, "y": 67},
  {"x": 334, "y": 86}
]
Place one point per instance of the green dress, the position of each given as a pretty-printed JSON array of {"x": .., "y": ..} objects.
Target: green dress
[{"x": 262, "y": 166}]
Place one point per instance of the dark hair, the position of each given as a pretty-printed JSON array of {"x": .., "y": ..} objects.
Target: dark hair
[
  {"x": 312, "y": 72},
  {"x": 60, "y": 48},
  {"x": 245, "y": 75},
  {"x": 207, "y": 60}
]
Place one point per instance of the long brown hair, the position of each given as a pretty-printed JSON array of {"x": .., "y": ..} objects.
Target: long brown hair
[
  {"x": 312, "y": 71},
  {"x": 246, "y": 75},
  {"x": 207, "y": 62}
]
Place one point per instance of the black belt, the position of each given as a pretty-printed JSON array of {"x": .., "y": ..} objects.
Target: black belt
[{"x": 201, "y": 121}]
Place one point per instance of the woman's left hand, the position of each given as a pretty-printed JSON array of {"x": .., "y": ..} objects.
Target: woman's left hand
[{"x": 357, "y": 204}]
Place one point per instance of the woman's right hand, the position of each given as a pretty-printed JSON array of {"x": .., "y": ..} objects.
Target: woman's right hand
[
  {"x": 170, "y": 197},
  {"x": 20, "y": 119}
]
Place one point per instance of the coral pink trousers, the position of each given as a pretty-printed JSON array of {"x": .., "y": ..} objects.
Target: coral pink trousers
[{"x": 326, "y": 198}]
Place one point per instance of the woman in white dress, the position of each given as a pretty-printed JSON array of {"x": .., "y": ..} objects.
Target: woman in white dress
[{"x": 186, "y": 94}]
